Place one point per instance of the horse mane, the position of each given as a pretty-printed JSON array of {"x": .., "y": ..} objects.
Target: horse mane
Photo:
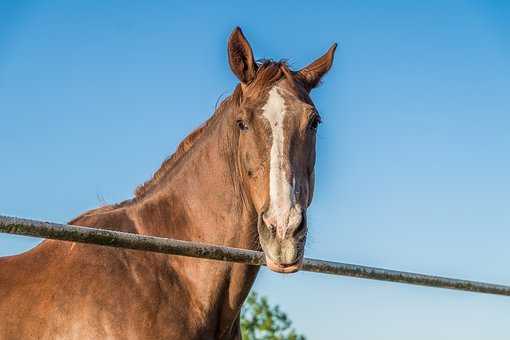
[
  {"x": 268, "y": 73},
  {"x": 184, "y": 146}
]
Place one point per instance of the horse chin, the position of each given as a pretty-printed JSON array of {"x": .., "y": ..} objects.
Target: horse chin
[{"x": 284, "y": 268}]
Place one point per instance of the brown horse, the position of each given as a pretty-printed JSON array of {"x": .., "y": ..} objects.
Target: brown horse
[{"x": 244, "y": 179}]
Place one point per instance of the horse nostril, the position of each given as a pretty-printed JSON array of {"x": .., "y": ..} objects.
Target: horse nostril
[
  {"x": 300, "y": 228},
  {"x": 270, "y": 223},
  {"x": 272, "y": 229}
]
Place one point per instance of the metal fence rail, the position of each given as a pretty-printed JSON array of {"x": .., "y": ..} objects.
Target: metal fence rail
[{"x": 103, "y": 237}]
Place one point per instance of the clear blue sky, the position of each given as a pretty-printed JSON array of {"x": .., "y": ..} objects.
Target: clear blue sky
[{"x": 413, "y": 156}]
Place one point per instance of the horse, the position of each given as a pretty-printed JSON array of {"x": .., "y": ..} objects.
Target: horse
[{"x": 244, "y": 179}]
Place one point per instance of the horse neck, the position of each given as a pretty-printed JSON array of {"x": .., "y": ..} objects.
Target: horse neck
[
  {"x": 202, "y": 193},
  {"x": 202, "y": 200}
]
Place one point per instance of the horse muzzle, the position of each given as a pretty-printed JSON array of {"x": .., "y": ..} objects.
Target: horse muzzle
[{"x": 283, "y": 245}]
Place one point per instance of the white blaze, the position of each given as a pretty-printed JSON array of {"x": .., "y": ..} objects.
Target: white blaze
[{"x": 280, "y": 190}]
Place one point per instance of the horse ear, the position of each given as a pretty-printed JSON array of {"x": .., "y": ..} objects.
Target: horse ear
[
  {"x": 240, "y": 57},
  {"x": 313, "y": 73}
]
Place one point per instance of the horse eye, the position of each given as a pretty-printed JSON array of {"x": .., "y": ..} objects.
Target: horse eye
[
  {"x": 314, "y": 122},
  {"x": 241, "y": 125}
]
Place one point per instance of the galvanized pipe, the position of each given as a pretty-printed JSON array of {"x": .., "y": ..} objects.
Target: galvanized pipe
[{"x": 103, "y": 237}]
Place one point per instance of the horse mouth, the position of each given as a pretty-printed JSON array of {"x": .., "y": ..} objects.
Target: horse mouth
[{"x": 284, "y": 268}]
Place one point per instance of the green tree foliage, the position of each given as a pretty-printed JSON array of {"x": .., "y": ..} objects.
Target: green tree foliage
[{"x": 261, "y": 321}]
